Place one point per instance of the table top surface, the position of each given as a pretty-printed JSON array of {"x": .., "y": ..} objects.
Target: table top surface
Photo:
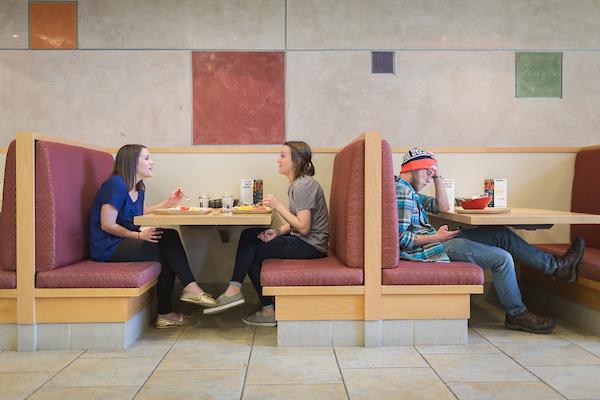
[
  {"x": 521, "y": 216},
  {"x": 216, "y": 218}
]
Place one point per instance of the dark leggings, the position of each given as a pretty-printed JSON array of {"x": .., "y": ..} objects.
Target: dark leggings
[
  {"x": 169, "y": 252},
  {"x": 251, "y": 253}
]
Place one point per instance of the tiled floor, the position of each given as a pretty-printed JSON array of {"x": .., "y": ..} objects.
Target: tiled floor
[{"x": 220, "y": 358}]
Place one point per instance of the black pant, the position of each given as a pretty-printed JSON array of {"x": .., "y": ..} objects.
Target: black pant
[
  {"x": 251, "y": 253},
  {"x": 169, "y": 252}
]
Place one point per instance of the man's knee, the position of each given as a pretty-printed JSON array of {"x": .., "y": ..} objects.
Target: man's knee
[{"x": 502, "y": 261}]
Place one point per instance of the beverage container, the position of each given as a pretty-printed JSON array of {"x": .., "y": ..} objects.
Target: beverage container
[
  {"x": 257, "y": 191},
  {"x": 246, "y": 191},
  {"x": 203, "y": 200},
  {"x": 227, "y": 204},
  {"x": 449, "y": 185},
  {"x": 498, "y": 189}
]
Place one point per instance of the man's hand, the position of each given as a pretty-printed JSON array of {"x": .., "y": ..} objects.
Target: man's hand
[{"x": 444, "y": 234}]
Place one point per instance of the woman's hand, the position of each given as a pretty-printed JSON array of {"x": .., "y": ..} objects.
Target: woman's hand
[
  {"x": 272, "y": 201},
  {"x": 268, "y": 234},
  {"x": 150, "y": 234},
  {"x": 174, "y": 198}
]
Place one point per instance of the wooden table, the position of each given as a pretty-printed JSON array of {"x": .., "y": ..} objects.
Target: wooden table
[
  {"x": 216, "y": 218},
  {"x": 528, "y": 218}
]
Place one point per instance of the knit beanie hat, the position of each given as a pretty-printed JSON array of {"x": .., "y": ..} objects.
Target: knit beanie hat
[{"x": 417, "y": 158}]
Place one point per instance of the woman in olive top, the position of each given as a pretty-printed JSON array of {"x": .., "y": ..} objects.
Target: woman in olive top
[
  {"x": 305, "y": 234},
  {"x": 115, "y": 238}
]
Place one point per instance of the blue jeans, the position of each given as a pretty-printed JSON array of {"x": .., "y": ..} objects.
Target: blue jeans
[{"x": 494, "y": 248}]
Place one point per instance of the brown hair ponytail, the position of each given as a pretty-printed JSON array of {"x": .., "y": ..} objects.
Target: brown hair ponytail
[{"x": 301, "y": 158}]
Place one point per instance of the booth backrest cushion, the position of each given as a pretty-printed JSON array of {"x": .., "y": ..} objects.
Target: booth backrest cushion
[
  {"x": 347, "y": 205},
  {"x": 586, "y": 194},
  {"x": 8, "y": 217},
  {"x": 390, "y": 252},
  {"x": 67, "y": 179}
]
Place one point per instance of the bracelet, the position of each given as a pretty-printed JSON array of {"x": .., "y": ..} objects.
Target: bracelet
[
  {"x": 138, "y": 232},
  {"x": 437, "y": 177}
]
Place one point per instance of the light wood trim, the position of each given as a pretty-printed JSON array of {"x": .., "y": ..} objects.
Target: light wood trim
[
  {"x": 75, "y": 310},
  {"x": 595, "y": 147},
  {"x": 94, "y": 292},
  {"x": 425, "y": 306},
  {"x": 312, "y": 290},
  {"x": 311, "y": 308},
  {"x": 136, "y": 304},
  {"x": 432, "y": 289},
  {"x": 72, "y": 142},
  {"x": 8, "y": 311},
  {"x": 25, "y": 227},
  {"x": 372, "y": 234},
  {"x": 576, "y": 292},
  {"x": 215, "y": 218},
  {"x": 508, "y": 150},
  {"x": 595, "y": 285},
  {"x": 249, "y": 149},
  {"x": 8, "y": 293}
]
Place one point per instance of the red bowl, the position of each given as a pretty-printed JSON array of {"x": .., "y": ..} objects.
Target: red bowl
[{"x": 476, "y": 204}]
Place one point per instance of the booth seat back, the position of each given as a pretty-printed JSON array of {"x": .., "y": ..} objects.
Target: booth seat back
[
  {"x": 67, "y": 179},
  {"x": 586, "y": 194},
  {"x": 8, "y": 217},
  {"x": 347, "y": 205},
  {"x": 390, "y": 251}
]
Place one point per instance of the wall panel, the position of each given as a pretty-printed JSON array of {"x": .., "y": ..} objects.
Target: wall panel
[{"x": 178, "y": 24}]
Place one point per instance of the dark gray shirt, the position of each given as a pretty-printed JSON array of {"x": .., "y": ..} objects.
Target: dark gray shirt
[{"x": 305, "y": 193}]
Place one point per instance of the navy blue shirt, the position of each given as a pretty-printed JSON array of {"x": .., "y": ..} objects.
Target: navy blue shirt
[{"x": 114, "y": 192}]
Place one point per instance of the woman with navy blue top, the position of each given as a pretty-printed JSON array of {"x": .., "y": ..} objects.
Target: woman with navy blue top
[{"x": 115, "y": 238}]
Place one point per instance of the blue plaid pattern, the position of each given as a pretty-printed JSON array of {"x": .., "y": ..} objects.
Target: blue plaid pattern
[{"x": 413, "y": 221}]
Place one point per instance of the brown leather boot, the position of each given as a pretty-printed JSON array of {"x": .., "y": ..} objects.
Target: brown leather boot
[
  {"x": 529, "y": 322},
  {"x": 568, "y": 263}
]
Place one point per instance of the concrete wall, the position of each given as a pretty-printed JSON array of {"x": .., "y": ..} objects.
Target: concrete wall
[{"x": 454, "y": 81}]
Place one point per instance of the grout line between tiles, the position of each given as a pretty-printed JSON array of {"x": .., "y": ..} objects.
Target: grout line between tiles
[
  {"x": 57, "y": 372},
  {"x": 159, "y": 361},
  {"x": 436, "y": 373},
  {"x": 248, "y": 365},
  {"x": 341, "y": 374}
]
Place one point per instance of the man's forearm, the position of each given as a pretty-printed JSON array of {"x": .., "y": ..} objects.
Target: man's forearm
[{"x": 440, "y": 193}]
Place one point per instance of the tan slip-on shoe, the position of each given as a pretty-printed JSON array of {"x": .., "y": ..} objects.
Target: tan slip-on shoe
[
  {"x": 204, "y": 299},
  {"x": 184, "y": 320}
]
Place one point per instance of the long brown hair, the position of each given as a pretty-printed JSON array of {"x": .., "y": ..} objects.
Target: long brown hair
[
  {"x": 126, "y": 165},
  {"x": 301, "y": 158}
]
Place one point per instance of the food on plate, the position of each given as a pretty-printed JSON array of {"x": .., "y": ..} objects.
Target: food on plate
[
  {"x": 184, "y": 208},
  {"x": 250, "y": 208}
]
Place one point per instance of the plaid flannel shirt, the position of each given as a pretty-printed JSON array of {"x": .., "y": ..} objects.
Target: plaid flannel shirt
[{"x": 413, "y": 221}]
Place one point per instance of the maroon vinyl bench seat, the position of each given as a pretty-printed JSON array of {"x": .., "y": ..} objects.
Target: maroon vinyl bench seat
[{"x": 434, "y": 273}]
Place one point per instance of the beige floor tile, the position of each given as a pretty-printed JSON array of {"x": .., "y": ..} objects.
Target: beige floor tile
[
  {"x": 477, "y": 368},
  {"x": 498, "y": 333},
  {"x": 395, "y": 383},
  {"x": 232, "y": 317},
  {"x": 332, "y": 391},
  {"x": 86, "y": 393},
  {"x": 504, "y": 391},
  {"x": 548, "y": 354},
  {"x": 292, "y": 366},
  {"x": 208, "y": 337},
  {"x": 476, "y": 344},
  {"x": 379, "y": 357},
  {"x": 186, "y": 385},
  {"x": 105, "y": 372},
  {"x": 161, "y": 335},
  {"x": 587, "y": 342},
  {"x": 574, "y": 382},
  {"x": 141, "y": 348},
  {"x": 19, "y": 385},
  {"x": 38, "y": 361},
  {"x": 265, "y": 337},
  {"x": 219, "y": 356}
]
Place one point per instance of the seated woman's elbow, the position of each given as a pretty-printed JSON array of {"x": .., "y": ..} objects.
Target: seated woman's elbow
[{"x": 304, "y": 230}]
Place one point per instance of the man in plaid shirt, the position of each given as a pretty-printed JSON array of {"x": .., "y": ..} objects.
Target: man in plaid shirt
[{"x": 490, "y": 247}]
